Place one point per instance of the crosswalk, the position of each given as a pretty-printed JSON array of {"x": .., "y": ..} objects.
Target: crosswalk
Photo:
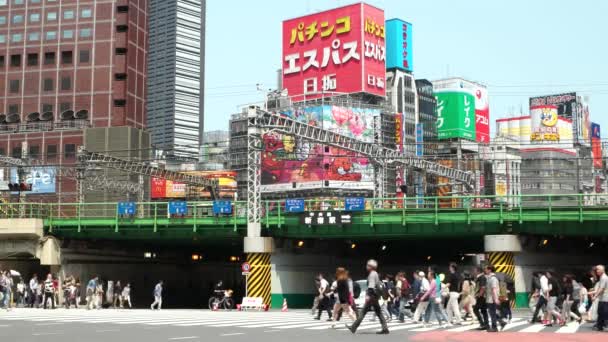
[{"x": 276, "y": 321}]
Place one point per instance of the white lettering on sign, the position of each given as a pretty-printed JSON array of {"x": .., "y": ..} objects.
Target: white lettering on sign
[{"x": 337, "y": 53}]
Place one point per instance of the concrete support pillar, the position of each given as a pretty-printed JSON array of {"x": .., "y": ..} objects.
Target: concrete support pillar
[
  {"x": 258, "y": 280},
  {"x": 501, "y": 251}
]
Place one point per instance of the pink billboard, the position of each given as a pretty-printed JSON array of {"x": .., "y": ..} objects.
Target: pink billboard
[{"x": 336, "y": 51}]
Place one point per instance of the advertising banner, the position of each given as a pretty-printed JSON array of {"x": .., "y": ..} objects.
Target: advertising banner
[
  {"x": 291, "y": 163},
  {"x": 399, "y": 132},
  {"x": 568, "y": 106},
  {"x": 544, "y": 124},
  {"x": 42, "y": 179},
  {"x": 336, "y": 51},
  {"x": 399, "y": 45},
  {"x": 419, "y": 139},
  {"x": 455, "y": 115},
  {"x": 482, "y": 105},
  {"x": 161, "y": 188},
  {"x": 596, "y": 146}
]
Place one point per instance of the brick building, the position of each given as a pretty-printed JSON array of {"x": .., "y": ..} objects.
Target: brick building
[{"x": 68, "y": 66}]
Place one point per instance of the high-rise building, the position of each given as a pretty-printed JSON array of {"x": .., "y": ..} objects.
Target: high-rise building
[
  {"x": 176, "y": 75},
  {"x": 68, "y": 67}
]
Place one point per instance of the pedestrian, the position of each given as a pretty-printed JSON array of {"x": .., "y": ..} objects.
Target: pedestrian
[
  {"x": 492, "y": 300},
  {"x": 5, "y": 290},
  {"x": 422, "y": 302},
  {"x": 552, "y": 311},
  {"x": 504, "y": 297},
  {"x": 91, "y": 292},
  {"x": 571, "y": 295},
  {"x": 454, "y": 284},
  {"x": 126, "y": 296},
  {"x": 371, "y": 299},
  {"x": 77, "y": 287},
  {"x": 480, "y": 308},
  {"x": 601, "y": 294},
  {"x": 403, "y": 291},
  {"x": 388, "y": 297},
  {"x": 324, "y": 298},
  {"x": 344, "y": 294},
  {"x": 99, "y": 295},
  {"x": 117, "y": 301},
  {"x": 68, "y": 285},
  {"x": 49, "y": 291},
  {"x": 542, "y": 297},
  {"x": 21, "y": 293},
  {"x": 34, "y": 290},
  {"x": 467, "y": 299},
  {"x": 433, "y": 296},
  {"x": 158, "y": 296},
  {"x": 315, "y": 303}
]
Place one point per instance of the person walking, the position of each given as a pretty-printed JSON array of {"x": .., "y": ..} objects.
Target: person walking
[
  {"x": 492, "y": 300},
  {"x": 34, "y": 291},
  {"x": 158, "y": 296},
  {"x": 403, "y": 291},
  {"x": 571, "y": 293},
  {"x": 543, "y": 295},
  {"x": 421, "y": 300},
  {"x": 467, "y": 299},
  {"x": 433, "y": 296},
  {"x": 371, "y": 299},
  {"x": 91, "y": 292},
  {"x": 344, "y": 296},
  {"x": 324, "y": 298},
  {"x": 21, "y": 293},
  {"x": 552, "y": 311},
  {"x": 454, "y": 284},
  {"x": 117, "y": 301},
  {"x": 601, "y": 294},
  {"x": 480, "y": 308},
  {"x": 126, "y": 296},
  {"x": 49, "y": 291},
  {"x": 5, "y": 290}
]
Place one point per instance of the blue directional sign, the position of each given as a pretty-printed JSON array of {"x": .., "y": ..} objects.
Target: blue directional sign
[
  {"x": 178, "y": 208},
  {"x": 222, "y": 207},
  {"x": 295, "y": 205},
  {"x": 354, "y": 204},
  {"x": 126, "y": 208}
]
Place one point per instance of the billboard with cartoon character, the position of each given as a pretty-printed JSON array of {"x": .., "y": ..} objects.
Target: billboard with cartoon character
[{"x": 291, "y": 163}]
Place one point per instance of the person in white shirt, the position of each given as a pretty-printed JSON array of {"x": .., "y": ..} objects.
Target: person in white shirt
[
  {"x": 422, "y": 306},
  {"x": 324, "y": 299},
  {"x": 601, "y": 294},
  {"x": 543, "y": 295}
]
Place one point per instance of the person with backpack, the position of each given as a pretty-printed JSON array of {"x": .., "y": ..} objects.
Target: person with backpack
[
  {"x": 505, "y": 301},
  {"x": 403, "y": 291},
  {"x": 422, "y": 302},
  {"x": 371, "y": 299},
  {"x": 492, "y": 300},
  {"x": 480, "y": 308},
  {"x": 388, "y": 297}
]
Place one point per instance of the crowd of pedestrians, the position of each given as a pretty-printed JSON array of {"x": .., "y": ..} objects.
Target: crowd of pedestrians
[
  {"x": 480, "y": 296},
  {"x": 47, "y": 292}
]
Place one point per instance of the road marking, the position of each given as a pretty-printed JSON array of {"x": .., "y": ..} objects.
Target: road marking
[
  {"x": 43, "y": 324},
  {"x": 48, "y": 333},
  {"x": 571, "y": 328},
  {"x": 107, "y": 330},
  {"x": 232, "y": 334},
  {"x": 464, "y": 328},
  {"x": 514, "y": 325},
  {"x": 182, "y": 338},
  {"x": 533, "y": 328},
  {"x": 271, "y": 331},
  {"x": 4, "y": 325}
]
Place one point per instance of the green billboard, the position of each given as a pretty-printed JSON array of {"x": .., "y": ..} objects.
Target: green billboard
[{"x": 455, "y": 115}]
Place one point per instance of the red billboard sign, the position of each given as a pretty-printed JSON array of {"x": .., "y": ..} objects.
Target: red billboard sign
[{"x": 336, "y": 51}]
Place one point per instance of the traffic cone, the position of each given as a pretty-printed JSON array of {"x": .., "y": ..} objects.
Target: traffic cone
[{"x": 284, "y": 309}]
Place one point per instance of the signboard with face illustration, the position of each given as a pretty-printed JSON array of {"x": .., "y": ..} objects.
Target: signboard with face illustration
[{"x": 291, "y": 163}]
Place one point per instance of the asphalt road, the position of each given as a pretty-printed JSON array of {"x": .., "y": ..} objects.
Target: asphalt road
[{"x": 197, "y": 326}]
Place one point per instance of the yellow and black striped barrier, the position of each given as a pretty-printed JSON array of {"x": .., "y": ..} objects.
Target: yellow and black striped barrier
[{"x": 258, "y": 281}]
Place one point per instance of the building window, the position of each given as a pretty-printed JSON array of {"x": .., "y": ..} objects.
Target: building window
[
  {"x": 86, "y": 13},
  {"x": 18, "y": 2},
  {"x": 51, "y": 35},
  {"x": 17, "y": 37},
  {"x": 66, "y": 83},
  {"x": 51, "y": 151},
  {"x": 34, "y": 17},
  {"x": 66, "y": 57},
  {"x": 17, "y": 19},
  {"x": 34, "y": 151},
  {"x": 47, "y": 84},
  {"x": 86, "y": 33},
  {"x": 122, "y": 9},
  {"x": 120, "y": 103},
  {"x": 16, "y": 152},
  {"x": 121, "y": 51},
  {"x": 47, "y": 107},
  {"x": 2, "y": 38},
  {"x": 122, "y": 28},
  {"x": 15, "y": 60},
  {"x": 13, "y": 109},
  {"x": 13, "y": 86},
  {"x": 49, "y": 58},
  {"x": 68, "y": 14},
  {"x": 2, "y": 19},
  {"x": 69, "y": 151},
  {"x": 51, "y": 16},
  {"x": 34, "y": 36},
  {"x": 32, "y": 59},
  {"x": 63, "y": 106},
  {"x": 68, "y": 34},
  {"x": 2, "y": 152},
  {"x": 35, "y": 1},
  {"x": 84, "y": 56},
  {"x": 3, "y": 2},
  {"x": 1, "y": 61},
  {"x": 120, "y": 77}
]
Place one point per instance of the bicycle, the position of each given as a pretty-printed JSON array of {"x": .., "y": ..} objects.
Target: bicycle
[{"x": 226, "y": 302}]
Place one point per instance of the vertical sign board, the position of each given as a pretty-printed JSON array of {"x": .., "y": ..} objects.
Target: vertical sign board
[
  {"x": 455, "y": 115},
  {"x": 399, "y": 45},
  {"x": 419, "y": 139},
  {"x": 596, "y": 145},
  {"x": 399, "y": 179},
  {"x": 341, "y": 50},
  {"x": 294, "y": 205}
]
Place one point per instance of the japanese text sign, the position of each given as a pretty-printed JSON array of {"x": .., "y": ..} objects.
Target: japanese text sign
[
  {"x": 354, "y": 204},
  {"x": 455, "y": 115},
  {"x": 399, "y": 45},
  {"x": 294, "y": 205},
  {"x": 336, "y": 51},
  {"x": 222, "y": 207}
]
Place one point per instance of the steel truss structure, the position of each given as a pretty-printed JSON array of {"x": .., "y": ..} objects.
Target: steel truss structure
[{"x": 260, "y": 121}]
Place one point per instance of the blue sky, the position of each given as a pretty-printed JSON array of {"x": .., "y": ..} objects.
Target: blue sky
[{"x": 517, "y": 47}]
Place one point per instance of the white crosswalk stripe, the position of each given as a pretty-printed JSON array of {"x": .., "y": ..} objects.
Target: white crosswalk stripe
[{"x": 269, "y": 321}]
